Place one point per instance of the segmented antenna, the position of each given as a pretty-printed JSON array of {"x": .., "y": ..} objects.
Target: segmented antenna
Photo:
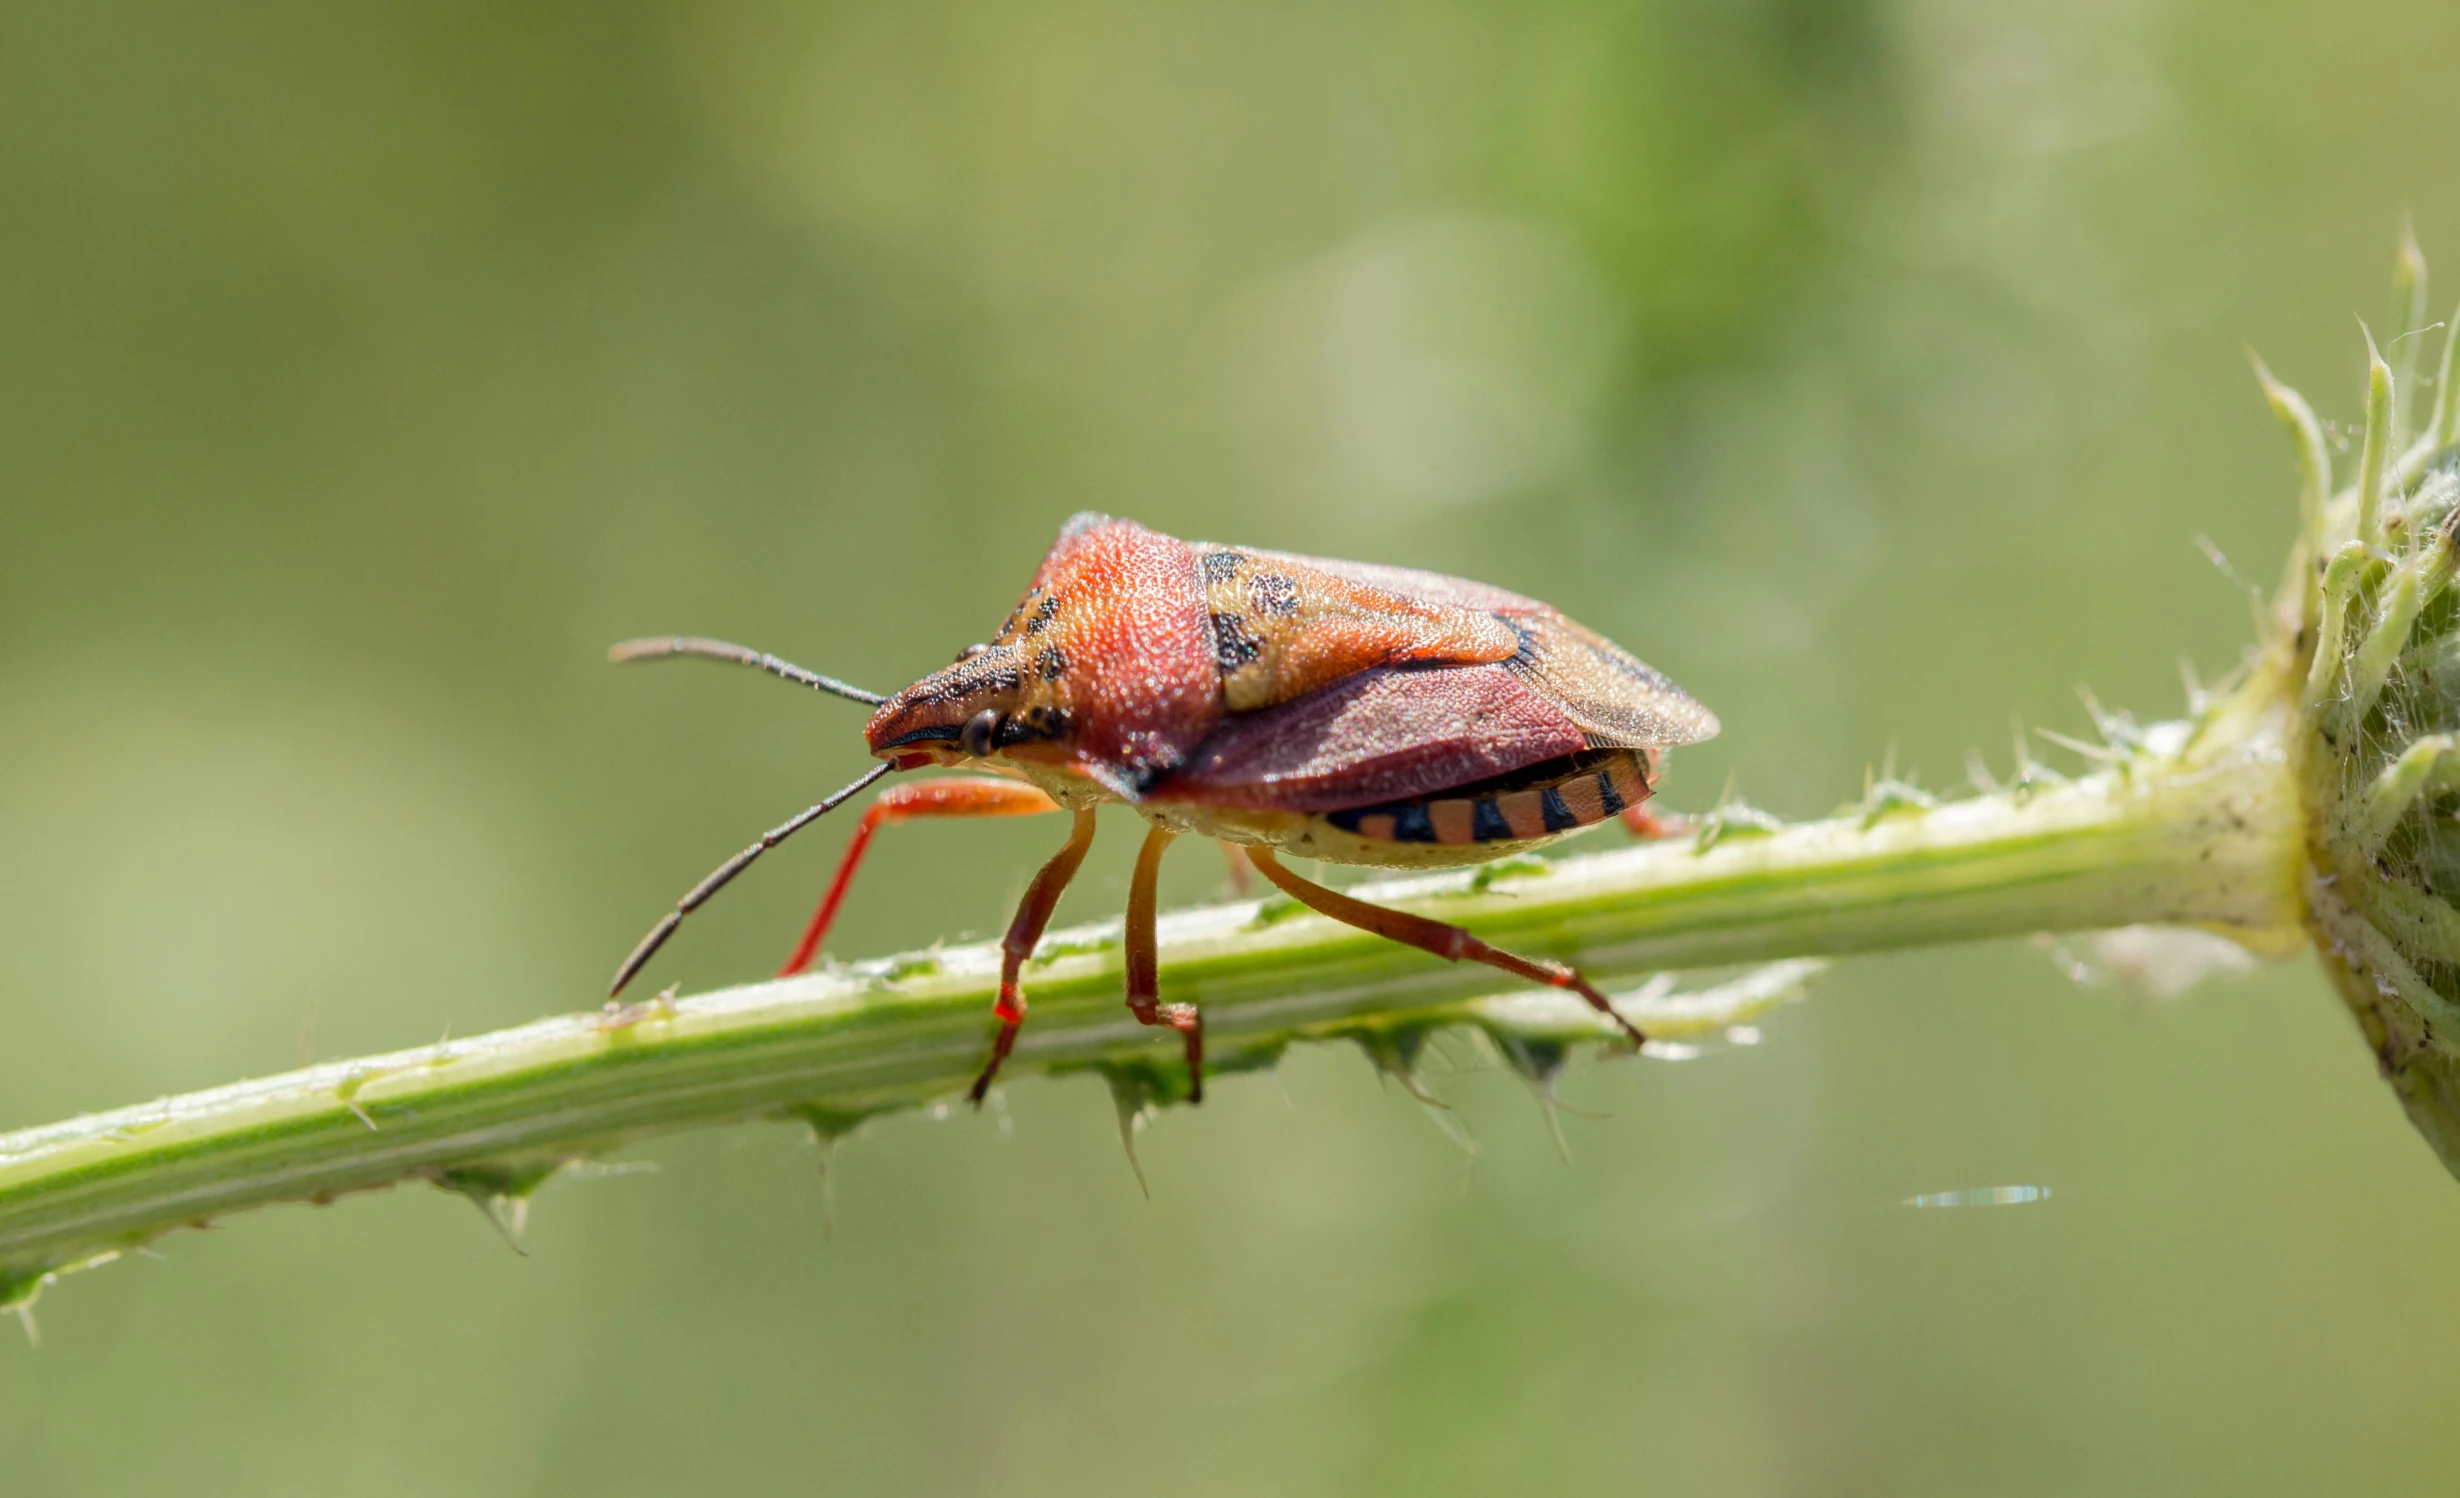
[
  {"x": 719, "y": 876},
  {"x": 741, "y": 655}
]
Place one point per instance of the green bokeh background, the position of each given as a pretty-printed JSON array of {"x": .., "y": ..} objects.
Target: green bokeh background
[{"x": 1869, "y": 365}]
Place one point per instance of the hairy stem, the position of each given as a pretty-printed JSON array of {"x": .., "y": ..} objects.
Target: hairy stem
[{"x": 2185, "y": 824}]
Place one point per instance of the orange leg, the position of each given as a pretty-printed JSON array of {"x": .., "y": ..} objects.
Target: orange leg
[
  {"x": 957, "y": 796},
  {"x": 1641, "y": 822},
  {"x": 1448, "y": 942},
  {"x": 1034, "y": 913},
  {"x": 1144, "y": 984},
  {"x": 1242, "y": 873}
]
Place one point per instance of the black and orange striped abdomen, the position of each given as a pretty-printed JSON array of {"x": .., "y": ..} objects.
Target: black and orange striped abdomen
[{"x": 1580, "y": 795}]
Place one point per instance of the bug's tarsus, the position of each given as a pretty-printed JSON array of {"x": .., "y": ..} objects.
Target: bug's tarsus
[
  {"x": 1561, "y": 976},
  {"x": 726, "y": 871},
  {"x": 1444, "y": 940},
  {"x": 1024, "y": 933},
  {"x": 664, "y": 646}
]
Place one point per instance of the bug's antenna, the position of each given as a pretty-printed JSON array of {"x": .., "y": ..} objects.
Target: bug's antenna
[
  {"x": 729, "y": 869},
  {"x": 741, "y": 655}
]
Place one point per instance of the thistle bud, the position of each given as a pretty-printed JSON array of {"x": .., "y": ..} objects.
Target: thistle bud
[{"x": 2371, "y": 636}]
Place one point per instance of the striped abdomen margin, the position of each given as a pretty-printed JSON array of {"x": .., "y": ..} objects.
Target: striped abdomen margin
[{"x": 1581, "y": 799}]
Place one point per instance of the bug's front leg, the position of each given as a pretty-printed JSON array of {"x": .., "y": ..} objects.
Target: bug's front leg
[
  {"x": 1024, "y": 933},
  {"x": 1144, "y": 982},
  {"x": 955, "y": 796},
  {"x": 1446, "y": 941}
]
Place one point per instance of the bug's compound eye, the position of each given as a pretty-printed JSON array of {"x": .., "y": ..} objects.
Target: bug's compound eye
[
  {"x": 970, "y": 651},
  {"x": 980, "y": 732}
]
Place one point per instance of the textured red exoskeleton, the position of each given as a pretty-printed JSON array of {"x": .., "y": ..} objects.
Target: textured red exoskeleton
[{"x": 1335, "y": 710}]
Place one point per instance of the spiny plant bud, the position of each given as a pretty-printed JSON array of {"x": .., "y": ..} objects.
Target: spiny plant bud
[{"x": 2375, "y": 641}]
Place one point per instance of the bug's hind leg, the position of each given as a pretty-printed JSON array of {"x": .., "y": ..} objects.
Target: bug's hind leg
[
  {"x": 1144, "y": 984},
  {"x": 1648, "y": 825},
  {"x": 956, "y": 796},
  {"x": 1032, "y": 914},
  {"x": 1639, "y": 819},
  {"x": 1446, "y": 941}
]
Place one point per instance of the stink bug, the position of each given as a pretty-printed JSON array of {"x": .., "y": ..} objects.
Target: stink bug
[{"x": 1334, "y": 710}]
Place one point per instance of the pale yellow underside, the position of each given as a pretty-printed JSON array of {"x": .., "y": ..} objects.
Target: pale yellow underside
[{"x": 1301, "y": 834}]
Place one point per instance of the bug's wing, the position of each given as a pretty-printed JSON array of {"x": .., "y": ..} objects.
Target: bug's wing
[
  {"x": 1386, "y": 734},
  {"x": 1618, "y": 700},
  {"x": 1284, "y": 627},
  {"x": 1427, "y": 587}
]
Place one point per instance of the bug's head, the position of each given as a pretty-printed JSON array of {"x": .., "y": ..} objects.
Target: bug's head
[
  {"x": 990, "y": 703},
  {"x": 1104, "y": 669}
]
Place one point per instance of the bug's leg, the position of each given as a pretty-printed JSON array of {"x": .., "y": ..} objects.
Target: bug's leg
[
  {"x": 1032, "y": 914},
  {"x": 1641, "y": 822},
  {"x": 1242, "y": 873},
  {"x": 1446, "y": 941},
  {"x": 1144, "y": 983},
  {"x": 957, "y": 796}
]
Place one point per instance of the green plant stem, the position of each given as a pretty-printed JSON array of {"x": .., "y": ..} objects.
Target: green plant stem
[{"x": 2206, "y": 834}]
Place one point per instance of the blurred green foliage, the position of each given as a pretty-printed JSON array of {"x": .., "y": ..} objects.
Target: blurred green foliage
[{"x": 1866, "y": 364}]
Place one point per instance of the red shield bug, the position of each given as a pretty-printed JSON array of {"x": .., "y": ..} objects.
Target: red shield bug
[{"x": 1335, "y": 710}]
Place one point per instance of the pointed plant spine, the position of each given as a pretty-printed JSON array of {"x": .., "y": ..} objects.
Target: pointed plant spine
[
  {"x": 2409, "y": 317},
  {"x": 2377, "y": 442},
  {"x": 2383, "y": 643},
  {"x": 2314, "y": 458},
  {"x": 2325, "y": 676},
  {"x": 2446, "y": 428},
  {"x": 2397, "y": 789}
]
